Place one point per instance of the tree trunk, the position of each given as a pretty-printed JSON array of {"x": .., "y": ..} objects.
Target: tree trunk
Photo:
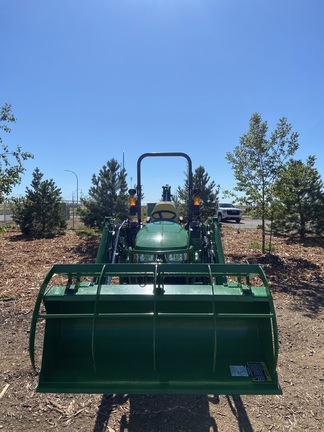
[{"x": 263, "y": 234}]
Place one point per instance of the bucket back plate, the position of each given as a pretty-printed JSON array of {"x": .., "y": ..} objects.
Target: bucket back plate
[{"x": 196, "y": 337}]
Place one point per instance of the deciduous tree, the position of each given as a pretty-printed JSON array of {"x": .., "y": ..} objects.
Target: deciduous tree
[
  {"x": 258, "y": 160},
  {"x": 11, "y": 161}
]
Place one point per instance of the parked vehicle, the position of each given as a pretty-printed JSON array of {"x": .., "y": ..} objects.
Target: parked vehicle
[{"x": 228, "y": 211}]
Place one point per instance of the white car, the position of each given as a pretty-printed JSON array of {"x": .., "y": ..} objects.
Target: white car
[{"x": 227, "y": 211}]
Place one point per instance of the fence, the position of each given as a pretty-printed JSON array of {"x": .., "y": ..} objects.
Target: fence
[{"x": 69, "y": 209}]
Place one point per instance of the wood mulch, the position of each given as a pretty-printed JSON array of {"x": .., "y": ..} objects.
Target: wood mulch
[{"x": 296, "y": 274}]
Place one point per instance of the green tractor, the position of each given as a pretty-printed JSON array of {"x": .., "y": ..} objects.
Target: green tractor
[{"x": 159, "y": 312}]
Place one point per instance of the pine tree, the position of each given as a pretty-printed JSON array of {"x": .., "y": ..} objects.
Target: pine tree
[
  {"x": 208, "y": 193},
  {"x": 300, "y": 195},
  {"x": 40, "y": 213},
  {"x": 107, "y": 197}
]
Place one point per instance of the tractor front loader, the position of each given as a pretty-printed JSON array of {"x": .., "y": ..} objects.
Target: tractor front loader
[{"x": 158, "y": 312}]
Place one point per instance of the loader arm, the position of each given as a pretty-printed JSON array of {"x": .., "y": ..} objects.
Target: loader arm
[{"x": 159, "y": 311}]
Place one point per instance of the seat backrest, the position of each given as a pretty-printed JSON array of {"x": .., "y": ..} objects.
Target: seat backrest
[{"x": 165, "y": 210}]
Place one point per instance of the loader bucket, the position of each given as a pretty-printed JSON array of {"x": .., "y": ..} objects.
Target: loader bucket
[{"x": 154, "y": 337}]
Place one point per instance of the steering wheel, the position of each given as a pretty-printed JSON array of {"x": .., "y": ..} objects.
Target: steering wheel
[{"x": 164, "y": 214}]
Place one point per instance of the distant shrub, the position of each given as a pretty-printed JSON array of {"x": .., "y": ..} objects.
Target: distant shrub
[
  {"x": 39, "y": 213},
  {"x": 86, "y": 232},
  {"x": 256, "y": 245}
]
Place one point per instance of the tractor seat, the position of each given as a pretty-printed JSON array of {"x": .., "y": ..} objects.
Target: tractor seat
[{"x": 165, "y": 210}]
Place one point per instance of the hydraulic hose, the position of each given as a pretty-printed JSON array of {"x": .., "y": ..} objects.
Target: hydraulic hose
[{"x": 116, "y": 245}]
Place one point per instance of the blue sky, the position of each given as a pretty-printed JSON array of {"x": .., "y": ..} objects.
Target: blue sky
[{"x": 91, "y": 79}]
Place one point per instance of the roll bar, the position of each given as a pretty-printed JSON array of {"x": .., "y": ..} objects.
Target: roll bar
[{"x": 139, "y": 183}]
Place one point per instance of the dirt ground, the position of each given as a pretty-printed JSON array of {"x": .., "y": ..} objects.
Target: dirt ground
[{"x": 296, "y": 275}]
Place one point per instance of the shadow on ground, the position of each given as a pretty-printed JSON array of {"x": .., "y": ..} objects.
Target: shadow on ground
[{"x": 165, "y": 413}]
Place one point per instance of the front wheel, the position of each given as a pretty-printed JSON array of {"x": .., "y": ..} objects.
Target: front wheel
[{"x": 220, "y": 217}]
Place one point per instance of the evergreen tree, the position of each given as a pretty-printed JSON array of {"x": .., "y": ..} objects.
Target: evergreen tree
[
  {"x": 11, "y": 162},
  {"x": 300, "y": 195},
  {"x": 107, "y": 197},
  {"x": 257, "y": 162},
  {"x": 208, "y": 193},
  {"x": 40, "y": 213}
]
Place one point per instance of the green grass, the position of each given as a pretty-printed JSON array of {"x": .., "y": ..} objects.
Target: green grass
[
  {"x": 256, "y": 245},
  {"x": 86, "y": 232}
]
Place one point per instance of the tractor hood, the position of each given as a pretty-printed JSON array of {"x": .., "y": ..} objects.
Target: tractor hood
[{"x": 161, "y": 235}]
